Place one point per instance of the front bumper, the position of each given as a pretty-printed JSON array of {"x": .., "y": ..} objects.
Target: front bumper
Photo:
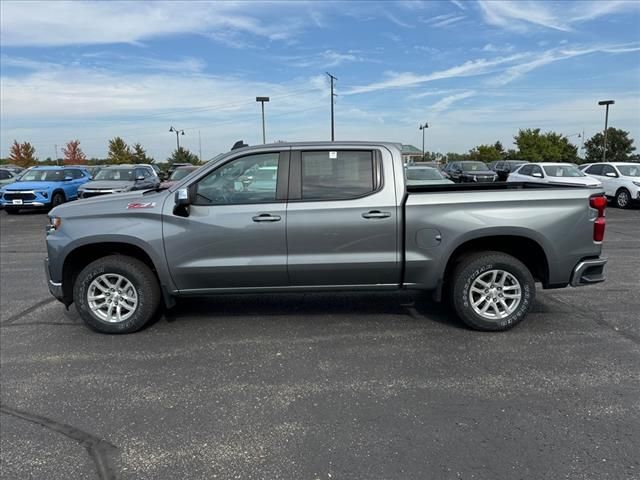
[
  {"x": 24, "y": 199},
  {"x": 588, "y": 272},
  {"x": 55, "y": 288}
]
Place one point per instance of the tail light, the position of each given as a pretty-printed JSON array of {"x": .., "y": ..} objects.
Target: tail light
[{"x": 598, "y": 203}]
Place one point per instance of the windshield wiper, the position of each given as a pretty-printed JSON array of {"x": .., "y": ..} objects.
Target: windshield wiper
[{"x": 159, "y": 188}]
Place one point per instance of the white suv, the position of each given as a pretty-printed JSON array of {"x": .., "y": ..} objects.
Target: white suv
[{"x": 621, "y": 181}]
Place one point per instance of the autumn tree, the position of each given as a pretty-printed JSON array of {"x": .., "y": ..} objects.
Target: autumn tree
[
  {"x": 619, "y": 146},
  {"x": 22, "y": 154},
  {"x": 139, "y": 154},
  {"x": 546, "y": 147},
  {"x": 73, "y": 154},
  {"x": 119, "y": 151}
]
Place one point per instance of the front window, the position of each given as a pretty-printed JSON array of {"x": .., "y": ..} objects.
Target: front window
[
  {"x": 474, "y": 167},
  {"x": 563, "y": 171},
  {"x": 629, "y": 170},
  {"x": 43, "y": 176},
  {"x": 116, "y": 174}
]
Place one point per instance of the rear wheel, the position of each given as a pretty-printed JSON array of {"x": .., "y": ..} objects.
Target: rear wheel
[
  {"x": 492, "y": 291},
  {"x": 116, "y": 294},
  {"x": 623, "y": 198}
]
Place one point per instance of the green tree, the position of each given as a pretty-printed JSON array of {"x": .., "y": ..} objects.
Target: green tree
[
  {"x": 546, "y": 147},
  {"x": 457, "y": 157},
  {"x": 119, "y": 151},
  {"x": 619, "y": 146},
  {"x": 486, "y": 153},
  {"x": 182, "y": 155},
  {"x": 139, "y": 155}
]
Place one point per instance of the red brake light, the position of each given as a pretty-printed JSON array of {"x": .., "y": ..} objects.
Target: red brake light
[{"x": 598, "y": 203}]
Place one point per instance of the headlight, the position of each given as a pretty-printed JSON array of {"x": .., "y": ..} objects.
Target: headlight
[
  {"x": 44, "y": 194},
  {"x": 637, "y": 184},
  {"x": 54, "y": 224}
]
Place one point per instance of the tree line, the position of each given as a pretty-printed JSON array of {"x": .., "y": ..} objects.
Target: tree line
[{"x": 24, "y": 155}]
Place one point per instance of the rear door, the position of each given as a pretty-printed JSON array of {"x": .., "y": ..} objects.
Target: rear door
[
  {"x": 342, "y": 218},
  {"x": 235, "y": 234}
]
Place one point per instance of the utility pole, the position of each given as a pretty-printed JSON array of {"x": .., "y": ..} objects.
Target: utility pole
[
  {"x": 56, "y": 149},
  {"x": 262, "y": 100},
  {"x": 332, "y": 95},
  {"x": 423, "y": 128},
  {"x": 200, "y": 146},
  {"x": 178, "y": 132},
  {"x": 606, "y": 122}
]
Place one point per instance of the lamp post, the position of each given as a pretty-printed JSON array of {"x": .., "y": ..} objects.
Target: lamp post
[
  {"x": 606, "y": 122},
  {"x": 178, "y": 132},
  {"x": 423, "y": 128},
  {"x": 262, "y": 100}
]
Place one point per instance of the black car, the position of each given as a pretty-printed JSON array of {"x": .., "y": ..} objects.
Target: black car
[
  {"x": 504, "y": 167},
  {"x": 470, "y": 172}
]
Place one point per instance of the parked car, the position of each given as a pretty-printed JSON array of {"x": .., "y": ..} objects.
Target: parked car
[
  {"x": 419, "y": 175},
  {"x": 43, "y": 187},
  {"x": 173, "y": 166},
  {"x": 337, "y": 215},
  {"x": 620, "y": 180},
  {"x": 469, "y": 171},
  {"x": 13, "y": 168},
  {"x": 7, "y": 176},
  {"x": 120, "y": 178},
  {"x": 504, "y": 167},
  {"x": 554, "y": 173},
  {"x": 178, "y": 174}
]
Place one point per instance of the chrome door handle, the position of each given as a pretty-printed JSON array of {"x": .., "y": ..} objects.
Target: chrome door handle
[
  {"x": 376, "y": 214},
  {"x": 266, "y": 217}
]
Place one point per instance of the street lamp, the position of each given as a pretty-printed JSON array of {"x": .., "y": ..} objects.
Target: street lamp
[
  {"x": 178, "y": 132},
  {"x": 606, "y": 122},
  {"x": 423, "y": 128},
  {"x": 262, "y": 100}
]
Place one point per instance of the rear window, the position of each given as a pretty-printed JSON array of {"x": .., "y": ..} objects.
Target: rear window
[{"x": 337, "y": 175}]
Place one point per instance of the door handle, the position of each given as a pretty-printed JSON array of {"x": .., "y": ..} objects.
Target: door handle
[
  {"x": 376, "y": 214},
  {"x": 266, "y": 217}
]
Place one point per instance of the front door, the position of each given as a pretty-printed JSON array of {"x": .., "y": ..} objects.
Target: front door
[
  {"x": 234, "y": 236},
  {"x": 342, "y": 219}
]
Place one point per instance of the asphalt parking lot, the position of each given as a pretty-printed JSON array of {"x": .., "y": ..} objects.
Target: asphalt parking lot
[{"x": 342, "y": 386}]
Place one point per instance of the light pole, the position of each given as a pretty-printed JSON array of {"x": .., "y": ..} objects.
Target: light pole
[
  {"x": 606, "y": 122},
  {"x": 178, "y": 132},
  {"x": 423, "y": 128},
  {"x": 262, "y": 100}
]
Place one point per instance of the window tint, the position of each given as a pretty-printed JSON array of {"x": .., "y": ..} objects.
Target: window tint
[
  {"x": 536, "y": 169},
  {"x": 595, "y": 170},
  {"x": 4, "y": 175},
  {"x": 73, "y": 173},
  {"x": 77, "y": 173},
  {"x": 526, "y": 170},
  {"x": 348, "y": 175},
  {"x": 608, "y": 169},
  {"x": 250, "y": 179}
]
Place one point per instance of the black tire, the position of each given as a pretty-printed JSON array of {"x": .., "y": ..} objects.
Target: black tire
[
  {"x": 137, "y": 273},
  {"x": 57, "y": 199},
  {"x": 623, "y": 198},
  {"x": 12, "y": 210},
  {"x": 476, "y": 265}
]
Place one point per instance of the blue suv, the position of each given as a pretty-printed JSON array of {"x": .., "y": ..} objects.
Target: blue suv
[{"x": 43, "y": 187}]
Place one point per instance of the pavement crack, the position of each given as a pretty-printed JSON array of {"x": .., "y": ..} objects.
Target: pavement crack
[
  {"x": 99, "y": 450},
  {"x": 27, "y": 311}
]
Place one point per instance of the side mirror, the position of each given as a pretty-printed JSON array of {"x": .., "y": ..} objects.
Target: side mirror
[
  {"x": 139, "y": 178},
  {"x": 68, "y": 178},
  {"x": 611, "y": 174},
  {"x": 182, "y": 202},
  {"x": 537, "y": 175}
]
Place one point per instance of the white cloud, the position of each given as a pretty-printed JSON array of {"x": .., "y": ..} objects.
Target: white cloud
[
  {"x": 459, "y": 4},
  {"x": 446, "y": 102}
]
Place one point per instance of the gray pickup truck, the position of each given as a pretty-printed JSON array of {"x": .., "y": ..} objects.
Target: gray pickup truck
[{"x": 322, "y": 216}]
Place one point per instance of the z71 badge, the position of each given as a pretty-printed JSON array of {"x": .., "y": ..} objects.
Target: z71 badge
[{"x": 142, "y": 205}]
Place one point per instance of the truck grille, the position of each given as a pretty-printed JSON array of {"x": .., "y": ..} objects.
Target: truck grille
[{"x": 19, "y": 196}]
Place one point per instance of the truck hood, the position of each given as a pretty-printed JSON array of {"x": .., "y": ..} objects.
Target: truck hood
[
  {"x": 107, "y": 185},
  {"x": 30, "y": 186},
  {"x": 587, "y": 181},
  {"x": 114, "y": 204}
]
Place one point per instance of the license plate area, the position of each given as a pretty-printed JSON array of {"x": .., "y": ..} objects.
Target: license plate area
[{"x": 17, "y": 201}]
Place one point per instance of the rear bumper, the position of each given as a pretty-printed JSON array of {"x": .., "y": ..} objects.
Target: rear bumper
[
  {"x": 588, "y": 272},
  {"x": 55, "y": 288}
]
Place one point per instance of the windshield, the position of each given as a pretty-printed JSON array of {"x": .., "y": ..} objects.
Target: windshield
[
  {"x": 423, "y": 174},
  {"x": 563, "y": 171},
  {"x": 474, "y": 166},
  {"x": 43, "y": 176},
  {"x": 629, "y": 170},
  {"x": 115, "y": 174},
  {"x": 180, "y": 173}
]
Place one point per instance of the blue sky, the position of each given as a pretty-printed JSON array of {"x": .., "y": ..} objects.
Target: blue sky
[{"x": 475, "y": 70}]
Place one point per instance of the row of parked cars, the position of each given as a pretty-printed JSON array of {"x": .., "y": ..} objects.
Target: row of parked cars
[
  {"x": 620, "y": 180},
  {"x": 50, "y": 186}
]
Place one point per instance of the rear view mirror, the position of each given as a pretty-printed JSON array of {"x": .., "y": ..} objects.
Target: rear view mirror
[{"x": 537, "y": 175}]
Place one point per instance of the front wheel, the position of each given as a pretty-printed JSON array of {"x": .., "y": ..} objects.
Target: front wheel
[
  {"x": 116, "y": 294},
  {"x": 492, "y": 291},
  {"x": 623, "y": 198},
  {"x": 57, "y": 199}
]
